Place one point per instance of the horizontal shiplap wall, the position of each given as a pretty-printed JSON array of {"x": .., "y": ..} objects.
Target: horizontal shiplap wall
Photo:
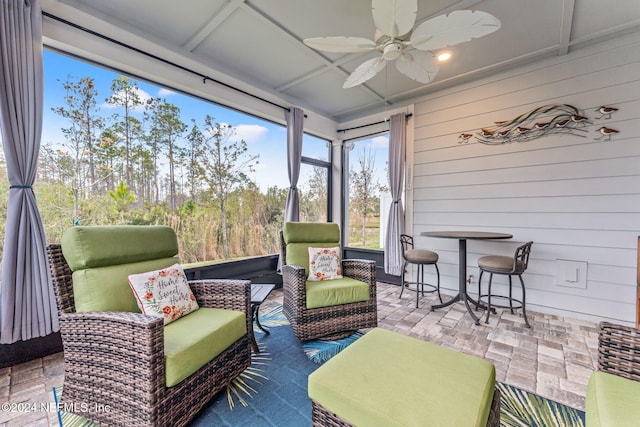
[{"x": 577, "y": 198}]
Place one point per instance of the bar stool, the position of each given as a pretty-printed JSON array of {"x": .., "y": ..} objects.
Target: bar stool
[
  {"x": 419, "y": 257},
  {"x": 495, "y": 264}
]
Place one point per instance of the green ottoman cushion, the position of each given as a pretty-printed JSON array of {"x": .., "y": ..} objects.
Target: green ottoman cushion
[
  {"x": 612, "y": 401},
  {"x": 387, "y": 379}
]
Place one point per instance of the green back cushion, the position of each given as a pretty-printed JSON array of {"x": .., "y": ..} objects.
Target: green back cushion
[
  {"x": 387, "y": 379},
  {"x": 299, "y": 236},
  {"x": 192, "y": 341},
  {"x": 612, "y": 401},
  {"x": 101, "y": 258}
]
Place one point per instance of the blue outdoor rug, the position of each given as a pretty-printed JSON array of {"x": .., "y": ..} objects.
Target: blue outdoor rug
[{"x": 274, "y": 392}]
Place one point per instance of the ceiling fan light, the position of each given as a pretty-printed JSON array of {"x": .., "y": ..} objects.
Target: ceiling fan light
[
  {"x": 444, "y": 55},
  {"x": 392, "y": 51}
]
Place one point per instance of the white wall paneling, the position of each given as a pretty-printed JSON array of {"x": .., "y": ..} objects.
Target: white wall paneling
[{"x": 576, "y": 197}]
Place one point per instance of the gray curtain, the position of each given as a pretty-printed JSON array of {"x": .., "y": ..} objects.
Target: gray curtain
[
  {"x": 295, "y": 126},
  {"x": 395, "y": 226},
  {"x": 27, "y": 303}
]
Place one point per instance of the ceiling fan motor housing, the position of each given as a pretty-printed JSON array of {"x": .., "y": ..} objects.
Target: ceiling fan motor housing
[{"x": 392, "y": 51}]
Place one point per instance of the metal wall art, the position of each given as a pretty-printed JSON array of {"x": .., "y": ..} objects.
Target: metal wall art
[{"x": 545, "y": 120}]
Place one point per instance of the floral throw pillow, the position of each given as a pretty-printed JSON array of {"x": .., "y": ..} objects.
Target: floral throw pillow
[
  {"x": 324, "y": 263},
  {"x": 164, "y": 293}
]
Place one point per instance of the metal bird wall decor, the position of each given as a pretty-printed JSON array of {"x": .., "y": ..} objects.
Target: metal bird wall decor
[{"x": 545, "y": 120}]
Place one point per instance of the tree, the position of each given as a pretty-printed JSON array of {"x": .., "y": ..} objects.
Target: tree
[
  {"x": 313, "y": 202},
  {"x": 194, "y": 154},
  {"x": 363, "y": 187},
  {"x": 170, "y": 128},
  {"x": 124, "y": 94},
  {"x": 122, "y": 197},
  {"x": 109, "y": 158},
  {"x": 152, "y": 139},
  {"x": 226, "y": 163},
  {"x": 83, "y": 131}
]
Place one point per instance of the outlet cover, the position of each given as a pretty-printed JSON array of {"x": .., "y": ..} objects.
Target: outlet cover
[{"x": 572, "y": 274}]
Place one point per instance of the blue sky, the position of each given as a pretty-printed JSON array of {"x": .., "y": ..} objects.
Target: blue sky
[{"x": 266, "y": 139}]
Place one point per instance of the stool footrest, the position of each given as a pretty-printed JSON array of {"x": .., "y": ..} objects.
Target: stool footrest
[
  {"x": 484, "y": 299},
  {"x": 432, "y": 288}
]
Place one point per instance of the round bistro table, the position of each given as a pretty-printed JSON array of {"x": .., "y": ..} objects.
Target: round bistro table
[{"x": 462, "y": 237}]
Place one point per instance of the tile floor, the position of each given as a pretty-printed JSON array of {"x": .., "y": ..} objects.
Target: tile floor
[{"x": 554, "y": 358}]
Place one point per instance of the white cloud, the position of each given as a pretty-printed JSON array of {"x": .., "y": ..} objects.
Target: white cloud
[
  {"x": 247, "y": 133},
  {"x": 165, "y": 92},
  {"x": 142, "y": 96},
  {"x": 380, "y": 141},
  {"x": 267, "y": 176},
  {"x": 250, "y": 133}
]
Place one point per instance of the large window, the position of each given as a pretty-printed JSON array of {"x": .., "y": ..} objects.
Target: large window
[
  {"x": 120, "y": 151},
  {"x": 367, "y": 187}
]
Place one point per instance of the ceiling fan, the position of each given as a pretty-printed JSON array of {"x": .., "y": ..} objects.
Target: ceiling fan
[{"x": 412, "y": 48}]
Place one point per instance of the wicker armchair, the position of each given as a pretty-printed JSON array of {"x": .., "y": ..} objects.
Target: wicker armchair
[
  {"x": 614, "y": 390},
  {"x": 114, "y": 361},
  {"x": 327, "y": 322},
  {"x": 619, "y": 350}
]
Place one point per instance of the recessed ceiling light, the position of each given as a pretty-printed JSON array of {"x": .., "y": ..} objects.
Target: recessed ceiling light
[{"x": 443, "y": 56}]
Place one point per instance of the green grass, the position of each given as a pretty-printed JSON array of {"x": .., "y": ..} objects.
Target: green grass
[{"x": 372, "y": 233}]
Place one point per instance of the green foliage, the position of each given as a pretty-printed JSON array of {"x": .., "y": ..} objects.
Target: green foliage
[
  {"x": 122, "y": 196},
  {"x": 112, "y": 169},
  {"x": 313, "y": 200},
  {"x": 363, "y": 188},
  {"x": 226, "y": 164}
]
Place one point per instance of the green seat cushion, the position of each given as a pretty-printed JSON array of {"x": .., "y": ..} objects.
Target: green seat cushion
[
  {"x": 102, "y": 257},
  {"x": 107, "y": 289},
  {"x": 195, "y": 339},
  {"x": 327, "y": 293},
  {"x": 612, "y": 401},
  {"x": 387, "y": 379}
]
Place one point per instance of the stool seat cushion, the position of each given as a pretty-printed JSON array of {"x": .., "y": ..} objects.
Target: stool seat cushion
[
  {"x": 388, "y": 379},
  {"x": 418, "y": 256},
  {"x": 498, "y": 263},
  {"x": 612, "y": 401}
]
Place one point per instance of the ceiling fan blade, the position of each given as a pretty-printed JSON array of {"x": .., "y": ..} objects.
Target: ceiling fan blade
[
  {"x": 365, "y": 71},
  {"x": 340, "y": 44},
  {"x": 457, "y": 27},
  {"x": 417, "y": 65},
  {"x": 394, "y": 17}
]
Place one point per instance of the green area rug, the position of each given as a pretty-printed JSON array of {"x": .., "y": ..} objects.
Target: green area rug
[{"x": 273, "y": 392}]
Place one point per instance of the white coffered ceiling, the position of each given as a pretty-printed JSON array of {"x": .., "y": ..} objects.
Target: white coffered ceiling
[{"x": 259, "y": 42}]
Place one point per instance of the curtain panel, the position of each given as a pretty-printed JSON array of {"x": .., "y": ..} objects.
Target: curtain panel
[
  {"x": 393, "y": 260},
  {"x": 27, "y": 301},
  {"x": 295, "y": 126}
]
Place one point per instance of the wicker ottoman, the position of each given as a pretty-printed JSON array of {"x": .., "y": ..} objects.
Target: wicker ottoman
[{"x": 388, "y": 379}]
